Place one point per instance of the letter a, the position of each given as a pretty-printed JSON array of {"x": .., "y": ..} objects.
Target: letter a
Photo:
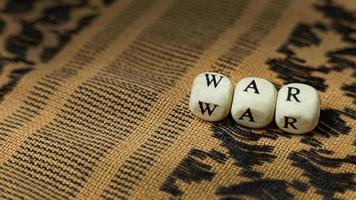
[
  {"x": 252, "y": 85},
  {"x": 248, "y": 114},
  {"x": 212, "y": 80},
  {"x": 207, "y": 108}
]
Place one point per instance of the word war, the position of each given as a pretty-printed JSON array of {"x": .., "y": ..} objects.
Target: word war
[{"x": 255, "y": 102}]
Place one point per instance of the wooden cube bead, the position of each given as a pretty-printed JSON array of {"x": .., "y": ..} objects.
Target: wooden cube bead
[
  {"x": 254, "y": 102},
  {"x": 211, "y": 96},
  {"x": 297, "y": 108}
]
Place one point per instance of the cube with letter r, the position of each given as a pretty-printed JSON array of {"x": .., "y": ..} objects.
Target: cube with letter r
[{"x": 297, "y": 108}]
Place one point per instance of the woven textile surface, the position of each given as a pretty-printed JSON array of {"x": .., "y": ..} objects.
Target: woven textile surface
[{"x": 94, "y": 99}]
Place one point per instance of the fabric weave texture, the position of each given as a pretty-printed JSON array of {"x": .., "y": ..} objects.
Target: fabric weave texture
[{"x": 94, "y": 99}]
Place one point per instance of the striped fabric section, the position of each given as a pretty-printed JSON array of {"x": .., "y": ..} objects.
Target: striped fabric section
[{"x": 94, "y": 99}]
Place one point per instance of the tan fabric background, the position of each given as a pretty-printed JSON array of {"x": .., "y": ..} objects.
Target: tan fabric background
[{"x": 94, "y": 99}]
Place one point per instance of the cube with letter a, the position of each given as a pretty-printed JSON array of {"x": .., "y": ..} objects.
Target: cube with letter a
[
  {"x": 297, "y": 108},
  {"x": 211, "y": 96},
  {"x": 254, "y": 102}
]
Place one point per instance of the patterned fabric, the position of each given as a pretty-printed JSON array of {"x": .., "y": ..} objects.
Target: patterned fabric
[{"x": 94, "y": 99}]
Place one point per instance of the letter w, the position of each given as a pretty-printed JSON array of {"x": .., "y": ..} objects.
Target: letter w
[
  {"x": 207, "y": 108},
  {"x": 212, "y": 80}
]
